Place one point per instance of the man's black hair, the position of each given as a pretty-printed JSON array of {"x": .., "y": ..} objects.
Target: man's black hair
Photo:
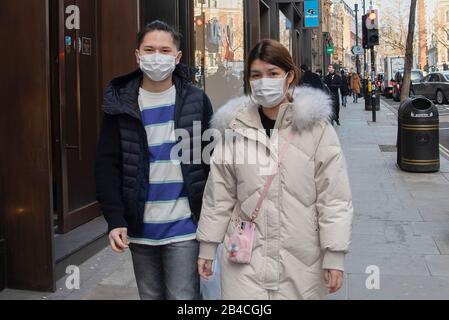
[{"x": 158, "y": 25}]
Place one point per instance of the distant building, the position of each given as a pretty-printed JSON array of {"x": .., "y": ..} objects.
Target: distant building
[
  {"x": 438, "y": 48},
  {"x": 337, "y": 33},
  {"x": 343, "y": 33},
  {"x": 422, "y": 34}
]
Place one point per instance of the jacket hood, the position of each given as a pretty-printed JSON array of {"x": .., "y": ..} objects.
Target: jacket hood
[
  {"x": 310, "y": 107},
  {"x": 122, "y": 93}
]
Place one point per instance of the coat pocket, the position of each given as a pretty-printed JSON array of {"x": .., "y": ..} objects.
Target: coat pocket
[{"x": 249, "y": 205}]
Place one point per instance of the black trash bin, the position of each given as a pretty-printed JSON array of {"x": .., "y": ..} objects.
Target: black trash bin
[
  {"x": 418, "y": 136},
  {"x": 369, "y": 102}
]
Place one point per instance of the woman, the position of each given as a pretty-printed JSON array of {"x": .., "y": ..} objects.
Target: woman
[
  {"x": 302, "y": 230},
  {"x": 355, "y": 86},
  {"x": 344, "y": 89}
]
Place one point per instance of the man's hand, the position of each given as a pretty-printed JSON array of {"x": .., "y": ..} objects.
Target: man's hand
[
  {"x": 118, "y": 238},
  {"x": 205, "y": 268},
  {"x": 333, "y": 280}
]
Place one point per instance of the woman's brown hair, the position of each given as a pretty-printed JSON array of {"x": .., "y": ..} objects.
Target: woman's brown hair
[{"x": 272, "y": 52}]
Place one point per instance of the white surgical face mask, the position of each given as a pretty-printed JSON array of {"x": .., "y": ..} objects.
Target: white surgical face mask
[
  {"x": 268, "y": 92},
  {"x": 157, "y": 67}
]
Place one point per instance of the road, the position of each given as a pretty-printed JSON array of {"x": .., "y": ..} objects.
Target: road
[{"x": 444, "y": 124}]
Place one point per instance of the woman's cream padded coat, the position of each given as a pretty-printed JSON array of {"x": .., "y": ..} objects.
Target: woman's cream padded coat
[{"x": 304, "y": 225}]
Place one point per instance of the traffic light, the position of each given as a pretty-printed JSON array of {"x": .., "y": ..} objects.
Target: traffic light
[
  {"x": 370, "y": 29},
  {"x": 364, "y": 32},
  {"x": 372, "y": 22}
]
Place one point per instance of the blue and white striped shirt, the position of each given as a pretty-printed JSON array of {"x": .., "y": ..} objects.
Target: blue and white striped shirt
[{"x": 167, "y": 216}]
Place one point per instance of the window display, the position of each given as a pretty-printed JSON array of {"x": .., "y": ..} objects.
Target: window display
[{"x": 219, "y": 48}]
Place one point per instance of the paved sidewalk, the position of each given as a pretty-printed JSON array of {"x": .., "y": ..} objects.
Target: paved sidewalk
[
  {"x": 401, "y": 225},
  {"x": 105, "y": 276},
  {"x": 401, "y": 220}
]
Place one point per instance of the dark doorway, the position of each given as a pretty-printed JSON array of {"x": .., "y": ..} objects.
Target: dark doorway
[{"x": 75, "y": 114}]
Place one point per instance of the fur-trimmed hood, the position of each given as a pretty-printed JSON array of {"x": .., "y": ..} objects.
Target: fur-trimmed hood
[{"x": 310, "y": 106}]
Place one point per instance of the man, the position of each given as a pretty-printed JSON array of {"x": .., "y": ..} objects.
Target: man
[
  {"x": 308, "y": 78},
  {"x": 333, "y": 81},
  {"x": 344, "y": 89},
  {"x": 225, "y": 83},
  {"x": 351, "y": 72},
  {"x": 151, "y": 202}
]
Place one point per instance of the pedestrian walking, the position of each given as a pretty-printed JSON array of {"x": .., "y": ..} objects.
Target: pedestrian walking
[
  {"x": 356, "y": 86},
  {"x": 308, "y": 78},
  {"x": 344, "y": 89},
  {"x": 333, "y": 81},
  {"x": 152, "y": 202},
  {"x": 285, "y": 231}
]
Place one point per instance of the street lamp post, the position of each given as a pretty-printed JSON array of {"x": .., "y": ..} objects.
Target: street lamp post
[
  {"x": 373, "y": 72},
  {"x": 365, "y": 65},
  {"x": 373, "y": 87}
]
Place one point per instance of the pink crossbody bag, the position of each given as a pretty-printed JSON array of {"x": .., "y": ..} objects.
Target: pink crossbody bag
[{"x": 240, "y": 244}]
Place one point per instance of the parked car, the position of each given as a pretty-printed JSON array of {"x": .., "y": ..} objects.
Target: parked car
[
  {"x": 416, "y": 76},
  {"x": 435, "y": 86}
]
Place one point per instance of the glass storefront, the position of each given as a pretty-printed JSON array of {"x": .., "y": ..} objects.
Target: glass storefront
[
  {"x": 219, "y": 48},
  {"x": 285, "y": 32}
]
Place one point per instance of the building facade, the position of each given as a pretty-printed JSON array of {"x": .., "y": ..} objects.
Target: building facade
[
  {"x": 336, "y": 32},
  {"x": 317, "y": 40},
  {"x": 438, "y": 46},
  {"x": 58, "y": 65},
  {"x": 343, "y": 33},
  {"x": 422, "y": 34}
]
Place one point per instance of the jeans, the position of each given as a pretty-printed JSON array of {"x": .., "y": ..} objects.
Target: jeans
[
  {"x": 344, "y": 100},
  {"x": 355, "y": 96},
  {"x": 336, "y": 105},
  {"x": 167, "y": 272}
]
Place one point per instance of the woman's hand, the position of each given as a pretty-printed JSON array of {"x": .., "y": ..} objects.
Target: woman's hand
[
  {"x": 333, "y": 280},
  {"x": 205, "y": 268}
]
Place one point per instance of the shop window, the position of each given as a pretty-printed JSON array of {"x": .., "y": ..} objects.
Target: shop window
[
  {"x": 285, "y": 32},
  {"x": 219, "y": 49}
]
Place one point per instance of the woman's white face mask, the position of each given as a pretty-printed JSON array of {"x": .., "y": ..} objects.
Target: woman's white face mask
[
  {"x": 269, "y": 92},
  {"x": 158, "y": 67}
]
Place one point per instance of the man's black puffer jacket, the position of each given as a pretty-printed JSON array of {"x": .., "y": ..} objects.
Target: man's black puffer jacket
[{"x": 122, "y": 164}]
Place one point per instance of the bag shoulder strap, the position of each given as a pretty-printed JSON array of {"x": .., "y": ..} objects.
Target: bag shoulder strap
[{"x": 267, "y": 186}]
